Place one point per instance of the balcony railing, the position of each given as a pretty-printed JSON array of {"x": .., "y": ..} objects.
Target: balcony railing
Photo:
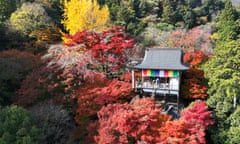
[{"x": 163, "y": 86}]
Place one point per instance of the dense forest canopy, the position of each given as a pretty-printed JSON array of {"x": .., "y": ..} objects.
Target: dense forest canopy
[{"x": 65, "y": 78}]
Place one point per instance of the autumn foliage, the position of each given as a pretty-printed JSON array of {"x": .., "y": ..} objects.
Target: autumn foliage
[
  {"x": 199, "y": 113},
  {"x": 121, "y": 122},
  {"x": 82, "y": 15},
  {"x": 194, "y": 59},
  {"x": 190, "y": 128},
  {"x": 43, "y": 83},
  {"x": 142, "y": 121},
  {"x": 193, "y": 86},
  {"x": 107, "y": 48},
  {"x": 15, "y": 65},
  {"x": 91, "y": 97},
  {"x": 89, "y": 52},
  {"x": 189, "y": 41}
]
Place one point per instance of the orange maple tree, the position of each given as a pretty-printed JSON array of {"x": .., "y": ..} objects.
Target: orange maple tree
[
  {"x": 91, "y": 97},
  {"x": 193, "y": 85},
  {"x": 143, "y": 122}
]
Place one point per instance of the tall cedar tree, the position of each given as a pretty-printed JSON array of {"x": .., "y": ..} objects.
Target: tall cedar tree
[
  {"x": 17, "y": 127},
  {"x": 84, "y": 15},
  {"x": 228, "y": 27},
  {"x": 168, "y": 14},
  {"x": 223, "y": 72}
]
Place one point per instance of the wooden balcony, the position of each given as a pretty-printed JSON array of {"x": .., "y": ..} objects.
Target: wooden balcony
[{"x": 158, "y": 88}]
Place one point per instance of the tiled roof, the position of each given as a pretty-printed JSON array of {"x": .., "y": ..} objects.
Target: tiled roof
[{"x": 163, "y": 59}]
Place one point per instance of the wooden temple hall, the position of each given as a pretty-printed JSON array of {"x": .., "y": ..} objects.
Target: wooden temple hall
[{"x": 159, "y": 74}]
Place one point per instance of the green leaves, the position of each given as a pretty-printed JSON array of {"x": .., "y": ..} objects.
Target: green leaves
[
  {"x": 223, "y": 71},
  {"x": 17, "y": 127},
  {"x": 227, "y": 27},
  {"x": 28, "y": 18},
  {"x": 6, "y": 8}
]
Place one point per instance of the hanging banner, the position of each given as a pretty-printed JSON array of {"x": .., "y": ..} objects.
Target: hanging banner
[{"x": 160, "y": 73}]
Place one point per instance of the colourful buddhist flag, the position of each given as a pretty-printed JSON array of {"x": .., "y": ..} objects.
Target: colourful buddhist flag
[
  {"x": 170, "y": 73},
  {"x": 160, "y": 73}
]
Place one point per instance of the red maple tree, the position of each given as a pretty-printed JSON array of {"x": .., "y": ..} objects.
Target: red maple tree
[
  {"x": 41, "y": 84},
  {"x": 88, "y": 53},
  {"x": 190, "y": 128},
  {"x": 193, "y": 85},
  {"x": 194, "y": 39},
  {"x": 91, "y": 97},
  {"x": 122, "y": 123},
  {"x": 142, "y": 122}
]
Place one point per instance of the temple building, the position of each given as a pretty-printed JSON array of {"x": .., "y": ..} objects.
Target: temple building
[{"x": 159, "y": 74}]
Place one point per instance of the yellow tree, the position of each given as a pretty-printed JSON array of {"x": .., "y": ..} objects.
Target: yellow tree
[{"x": 84, "y": 15}]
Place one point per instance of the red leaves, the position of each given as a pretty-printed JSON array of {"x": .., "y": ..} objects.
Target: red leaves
[
  {"x": 195, "y": 58},
  {"x": 194, "y": 39},
  {"x": 193, "y": 80},
  {"x": 119, "y": 122},
  {"x": 143, "y": 122},
  {"x": 199, "y": 114},
  {"x": 182, "y": 132},
  {"x": 190, "y": 128},
  {"x": 91, "y": 51},
  {"x": 41, "y": 84},
  {"x": 89, "y": 38},
  {"x": 91, "y": 98},
  {"x": 192, "y": 85}
]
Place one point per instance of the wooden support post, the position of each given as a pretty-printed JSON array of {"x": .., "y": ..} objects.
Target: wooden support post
[
  {"x": 133, "y": 79},
  {"x": 178, "y": 102}
]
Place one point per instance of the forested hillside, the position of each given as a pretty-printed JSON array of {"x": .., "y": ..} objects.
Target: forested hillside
[{"x": 65, "y": 75}]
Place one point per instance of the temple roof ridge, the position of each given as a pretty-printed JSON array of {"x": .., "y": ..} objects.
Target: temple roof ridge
[{"x": 162, "y": 59}]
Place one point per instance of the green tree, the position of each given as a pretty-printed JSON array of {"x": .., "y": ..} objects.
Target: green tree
[
  {"x": 133, "y": 14},
  {"x": 223, "y": 72},
  {"x": 17, "y": 127},
  {"x": 193, "y": 3},
  {"x": 212, "y": 7},
  {"x": 228, "y": 28},
  {"x": 234, "y": 130},
  {"x": 168, "y": 14},
  {"x": 28, "y": 18},
  {"x": 189, "y": 17},
  {"x": 6, "y": 8},
  {"x": 54, "y": 8}
]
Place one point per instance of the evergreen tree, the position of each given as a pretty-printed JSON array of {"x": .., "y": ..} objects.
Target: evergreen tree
[
  {"x": 189, "y": 17},
  {"x": 17, "y": 127},
  {"x": 223, "y": 72},
  {"x": 168, "y": 14},
  {"x": 6, "y": 8},
  {"x": 228, "y": 28},
  {"x": 234, "y": 130}
]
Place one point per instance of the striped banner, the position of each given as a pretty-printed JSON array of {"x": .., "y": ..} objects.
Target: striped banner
[{"x": 160, "y": 73}]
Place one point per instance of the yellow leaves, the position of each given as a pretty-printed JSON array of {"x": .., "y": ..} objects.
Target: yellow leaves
[
  {"x": 214, "y": 37},
  {"x": 84, "y": 15}
]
